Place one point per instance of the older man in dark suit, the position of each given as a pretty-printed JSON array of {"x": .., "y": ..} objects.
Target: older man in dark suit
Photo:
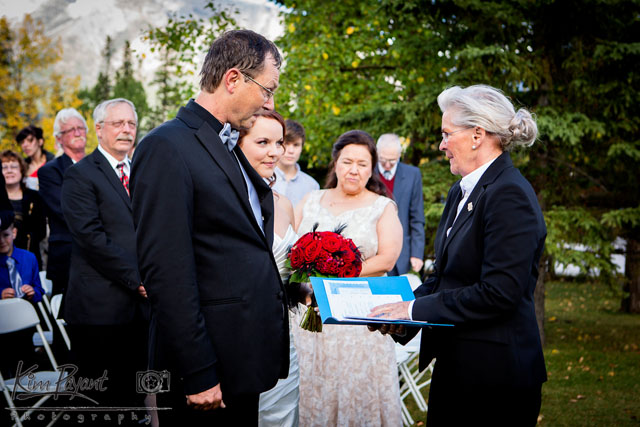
[
  {"x": 404, "y": 183},
  {"x": 70, "y": 131},
  {"x": 204, "y": 222},
  {"x": 106, "y": 306}
]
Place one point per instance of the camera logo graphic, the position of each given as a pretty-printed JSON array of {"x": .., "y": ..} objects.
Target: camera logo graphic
[{"x": 151, "y": 382}]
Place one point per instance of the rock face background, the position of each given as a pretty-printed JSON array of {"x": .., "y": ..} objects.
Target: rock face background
[{"x": 83, "y": 25}]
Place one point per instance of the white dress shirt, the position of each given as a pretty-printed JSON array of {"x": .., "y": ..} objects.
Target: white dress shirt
[
  {"x": 392, "y": 170},
  {"x": 115, "y": 162}
]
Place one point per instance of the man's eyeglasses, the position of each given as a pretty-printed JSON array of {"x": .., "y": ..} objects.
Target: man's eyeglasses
[
  {"x": 446, "y": 135},
  {"x": 391, "y": 162},
  {"x": 270, "y": 93},
  {"x": 73, "y": 130},
  {"x": 120, "y": 123}
]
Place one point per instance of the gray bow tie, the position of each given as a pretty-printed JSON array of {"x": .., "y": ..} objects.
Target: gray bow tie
[{"x": 229, "y": 136}]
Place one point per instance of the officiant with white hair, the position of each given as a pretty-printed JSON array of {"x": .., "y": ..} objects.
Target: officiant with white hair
[{"x": 490, "y": 366}]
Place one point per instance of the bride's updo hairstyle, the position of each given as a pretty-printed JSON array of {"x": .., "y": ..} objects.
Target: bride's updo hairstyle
[
  {"x": 488, "y": 108},
  {"x": 358, "y": 137},
  {"x": 267, "y": 114}
]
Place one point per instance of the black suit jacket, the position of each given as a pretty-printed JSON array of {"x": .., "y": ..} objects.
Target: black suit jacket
[
  {"x": 50, "y": 177},
  {"x": 485, "y": 275},
  {"x": 219, "y": 313},
  {"x": 104, "y": 278}
]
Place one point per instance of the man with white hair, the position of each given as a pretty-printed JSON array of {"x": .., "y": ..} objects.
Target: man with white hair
[
  {"x": 106, "y": 306},
  {"x": 404, "y": 183},
  {"x": 70, "y": 131}
]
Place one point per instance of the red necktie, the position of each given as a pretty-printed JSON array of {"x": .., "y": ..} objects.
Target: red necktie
[{"x": 123, "y": 177}]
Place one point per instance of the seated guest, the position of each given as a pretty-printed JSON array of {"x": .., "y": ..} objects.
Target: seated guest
[
  {"x": 31, "y": 140},
  {"x": 19, "y": 275},
  {"x": 27, "y": 205},
  {"x": 19, "y": 278},
  {"x": 291, "y": 181}
]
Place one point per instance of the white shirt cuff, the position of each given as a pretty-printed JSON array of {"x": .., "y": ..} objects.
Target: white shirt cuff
[{"x": 411, "y": 310}]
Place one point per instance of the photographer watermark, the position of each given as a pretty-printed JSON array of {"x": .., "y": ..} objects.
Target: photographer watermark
[
  {"x": 67, "y": 384},
  {"x": 152, "y": 382}
]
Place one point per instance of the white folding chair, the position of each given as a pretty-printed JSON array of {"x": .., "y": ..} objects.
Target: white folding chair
[
  {"x": 410, "y": 374},
  {"x": 47, "y": 287},
  {"x": 17, "y": 314},
  {"x": 402, "y": 356},
  {"x": 56, "y": 301}
]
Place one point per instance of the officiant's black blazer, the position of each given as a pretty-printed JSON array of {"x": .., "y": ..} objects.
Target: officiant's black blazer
[
  {"x": 219, "y": 313},
  {"x": 485, "y": 275}
]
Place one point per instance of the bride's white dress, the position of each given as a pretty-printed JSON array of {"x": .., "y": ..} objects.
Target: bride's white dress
[
  {"x": 279, "y": 406},
  {"x": 348, "y": 375}
]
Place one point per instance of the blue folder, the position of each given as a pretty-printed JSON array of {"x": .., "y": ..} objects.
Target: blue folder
[{"x": 370, "y": 285}]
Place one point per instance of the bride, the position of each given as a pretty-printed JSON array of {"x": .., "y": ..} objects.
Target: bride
[{"x": 263, "y": 145}]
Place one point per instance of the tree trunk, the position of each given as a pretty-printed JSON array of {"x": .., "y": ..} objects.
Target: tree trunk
[
  {"x": 631, "y": 304},
  {"x": 538, "y": 296}
]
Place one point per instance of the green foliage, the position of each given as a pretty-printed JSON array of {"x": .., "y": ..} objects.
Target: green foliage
[
  {"x": 380, "y": 65},
  {"x": 573, "y": 226},
  {"x": 126, "y": 86},
  {"x": 122, "y": 85},
  {"x": 628, "y": 217},
  {"x": 180, "y": 43}
]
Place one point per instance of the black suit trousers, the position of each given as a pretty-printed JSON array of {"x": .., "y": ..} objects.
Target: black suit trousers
[
  {"x": 462, "y": 404},
  {"x": 121, "y": 351}
]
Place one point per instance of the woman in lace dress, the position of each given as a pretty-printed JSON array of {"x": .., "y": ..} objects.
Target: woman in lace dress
[
  {"x": 348, "y": 376},
  {"x": 263, "y": 146}
]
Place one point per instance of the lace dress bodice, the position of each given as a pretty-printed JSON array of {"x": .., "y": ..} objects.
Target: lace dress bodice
[{"x": 359, "y": 222}]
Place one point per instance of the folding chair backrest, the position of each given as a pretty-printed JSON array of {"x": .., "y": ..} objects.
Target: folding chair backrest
[
  {"x": 47, "y": 285},
  {"x": 56, "y": 301},
  {"x": 16, "y": 314}
]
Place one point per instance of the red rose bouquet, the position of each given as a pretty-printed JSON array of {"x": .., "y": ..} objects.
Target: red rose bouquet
[{"x": 322, "y": 254}]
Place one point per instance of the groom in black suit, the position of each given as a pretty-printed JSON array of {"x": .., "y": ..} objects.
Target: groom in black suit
[{"x": 204, "y": 224}]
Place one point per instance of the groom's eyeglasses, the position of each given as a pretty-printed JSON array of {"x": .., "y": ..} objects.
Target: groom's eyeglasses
[{"x": 270, "y": 93}]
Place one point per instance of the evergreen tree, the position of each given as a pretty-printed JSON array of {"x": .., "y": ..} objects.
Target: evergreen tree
[{"x": 128, "y": 87}]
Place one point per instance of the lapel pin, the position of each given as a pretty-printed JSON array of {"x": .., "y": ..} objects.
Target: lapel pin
[{"x": 470, "y": 207}]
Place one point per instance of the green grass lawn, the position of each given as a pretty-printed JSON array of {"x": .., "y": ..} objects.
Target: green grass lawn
[{"x": 593, "y": 359}]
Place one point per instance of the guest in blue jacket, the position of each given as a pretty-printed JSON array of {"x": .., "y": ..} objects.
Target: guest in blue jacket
[{"x": 19, "y": 276}]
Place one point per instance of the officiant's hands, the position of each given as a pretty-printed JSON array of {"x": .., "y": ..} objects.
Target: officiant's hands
[
  {"x": 396, "y": 310},
  {"x": 206, "y": 400}
]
